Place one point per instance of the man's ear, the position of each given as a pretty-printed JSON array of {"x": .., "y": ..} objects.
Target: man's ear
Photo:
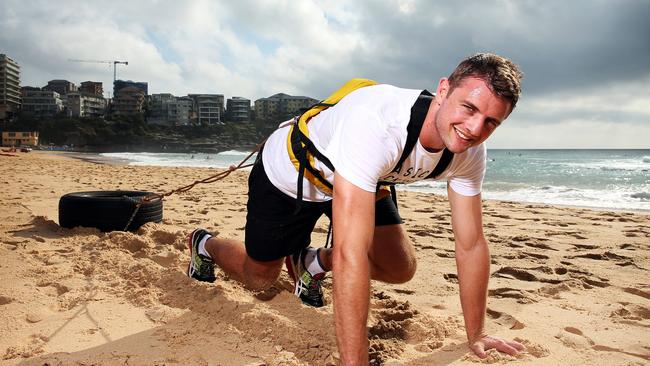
[{"x": 442, "y": 90}]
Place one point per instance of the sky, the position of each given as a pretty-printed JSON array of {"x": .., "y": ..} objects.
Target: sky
[{"x": 586, "y": 63}]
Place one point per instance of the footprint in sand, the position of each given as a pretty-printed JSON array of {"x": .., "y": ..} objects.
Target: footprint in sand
[
  {"x": 540, "y": 246},
  {"x": 574, "y": 338},
  {"x": 421, "y": 233},
  {"x": 630, "y": 311},
  {"x": 629, "y": 246},
  {"x": 513, "y": 293},
  {"x": 590, "y": 282},
  {"x": 505, "y": 320},
  {"x": 423, "y": 210},
  {"x": 54, "y": 289},
  {"x": 520, "y": 238},
  {"x": 554, "y": 290},
  {"x": 4, "y": 300},
  {"x": 501, "y": 216},
  {"x": 620, "y": 260},
  {"x": 451, "y": 277},
  {"x": 637, "y": 231},
  {"x": 585, "y": 246},
  {"x": 446, "y": 254},
  {"x": 561, "y": 271},
  {"x": 526, "y": 255},
  {"x": 605, "y": 256},
  {"x": 637, "y": 292},
  {"x": 576, "y": 235},
  {"x": 515, "y": 273}
]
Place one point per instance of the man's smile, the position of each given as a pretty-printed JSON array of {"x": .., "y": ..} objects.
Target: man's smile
[{"x": 463, "y": 136}]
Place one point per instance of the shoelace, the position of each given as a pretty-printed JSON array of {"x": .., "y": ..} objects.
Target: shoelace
[
  {"x": 314, "y": 291},
  {"x": 206, "y": 267}
]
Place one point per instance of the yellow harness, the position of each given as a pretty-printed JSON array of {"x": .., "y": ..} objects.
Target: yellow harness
[
  {"x": 296, "y": 144},
  {"x": 302, "y": 151}
]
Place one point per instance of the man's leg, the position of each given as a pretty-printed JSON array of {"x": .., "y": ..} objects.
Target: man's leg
[
  {"x": 230, "y": 255},
  {"x": 392, "y": 256},
  {"x": 273, "y": 231}
]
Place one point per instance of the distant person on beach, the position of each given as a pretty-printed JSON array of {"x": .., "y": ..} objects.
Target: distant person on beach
[{"x": 377, "y": 134}]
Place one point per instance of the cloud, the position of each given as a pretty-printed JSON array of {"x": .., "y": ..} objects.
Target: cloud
[
  {"x": 583, "y": 60},
  {"x": 586, "y": 133}
]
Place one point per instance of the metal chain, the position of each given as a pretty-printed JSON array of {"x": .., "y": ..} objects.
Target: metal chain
[
  {"x": 135, "y": 212},
  {"x": 211, "y": 179}
]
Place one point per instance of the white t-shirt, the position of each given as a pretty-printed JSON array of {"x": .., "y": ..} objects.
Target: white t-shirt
[{"x": 364, "y": 135}]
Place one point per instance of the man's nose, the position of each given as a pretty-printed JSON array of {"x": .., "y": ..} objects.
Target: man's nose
[{"x": 475, "y": 124}]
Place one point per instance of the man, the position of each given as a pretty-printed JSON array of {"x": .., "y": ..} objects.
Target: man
[{"x": 365, "y": 136}]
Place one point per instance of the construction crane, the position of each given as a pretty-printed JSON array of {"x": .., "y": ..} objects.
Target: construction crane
[{"x": 105, "y": 62}]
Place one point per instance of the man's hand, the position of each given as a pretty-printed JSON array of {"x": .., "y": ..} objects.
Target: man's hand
[
  {"x": 502, "y": 345},
  {"x": 473, "y": 263}
]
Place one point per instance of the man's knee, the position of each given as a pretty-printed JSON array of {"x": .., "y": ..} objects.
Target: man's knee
[
  {"x": 400, "y": 269},
  {"x": 392, "y": 255},
  {"x": 261, "y": 275},
  {"x": 404, "y": 272}
]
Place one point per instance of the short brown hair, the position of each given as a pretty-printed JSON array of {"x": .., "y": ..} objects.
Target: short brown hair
[{"x": 501, "y": 75}]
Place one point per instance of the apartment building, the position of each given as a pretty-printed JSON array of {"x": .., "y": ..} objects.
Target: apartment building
[
  {"x": 80, "y": 104},
  {"x": 20, "y": 138},
  {"x": 9, "y": 88},
  {"x": 62, "y": 87},
  {"x": 92, "y": 87},
  {"x": 208, "y": 108},
  {"x": 184, "y": 108},
  {"x": 130, "y": 100},
  {"x": 238, "y": 109},
  {"x": 121, "y": 84},
  {"x": 281, "y": 106},
  {"x": 163, "y": 109},
  {"x": 41, "y": 103}
]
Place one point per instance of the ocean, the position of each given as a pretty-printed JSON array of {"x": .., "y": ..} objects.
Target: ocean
[{"x": 612, "y": 179}]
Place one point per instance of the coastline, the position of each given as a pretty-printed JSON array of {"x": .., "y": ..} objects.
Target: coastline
[
  {"x": 97, "y": 157},
  {"x": 92, "y": 157},
  {"x": 568, "y": 283}
]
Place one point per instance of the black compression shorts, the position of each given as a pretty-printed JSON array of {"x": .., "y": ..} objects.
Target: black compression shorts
[{"x": 273, "y": 227}]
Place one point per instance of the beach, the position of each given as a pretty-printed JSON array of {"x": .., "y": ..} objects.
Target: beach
[{"x": 569, "y": 283}]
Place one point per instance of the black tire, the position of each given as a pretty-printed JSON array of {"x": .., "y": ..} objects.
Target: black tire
[{"x": 108, "y": 210}]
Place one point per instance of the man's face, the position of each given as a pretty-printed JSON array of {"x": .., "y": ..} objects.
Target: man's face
[{"x": 469, "y": 114}]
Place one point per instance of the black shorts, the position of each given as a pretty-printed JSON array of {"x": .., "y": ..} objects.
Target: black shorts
[{"x": 275, "y": 229}]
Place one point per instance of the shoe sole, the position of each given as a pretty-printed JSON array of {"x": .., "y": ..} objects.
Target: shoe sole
[
  {"x": 189, "y": 247},
  {"x": 289, "y": 263}
]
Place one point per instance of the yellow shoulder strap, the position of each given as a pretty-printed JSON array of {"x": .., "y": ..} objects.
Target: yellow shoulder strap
[{"x": 334, "y": 98}]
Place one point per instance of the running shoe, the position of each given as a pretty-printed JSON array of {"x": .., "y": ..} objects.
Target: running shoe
[
  {"x": 200, "y": 267},
  {"x": 306, "y": 286}
]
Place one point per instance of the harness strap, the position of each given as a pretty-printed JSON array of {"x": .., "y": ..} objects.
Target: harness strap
[
  {"x": 313, "y": 150},
  {"x": 442, "y": 165},
  {"x": 418, "y": 113},
  {"x": 301, "y": 145},
  {"x": 302, "y": 161}
]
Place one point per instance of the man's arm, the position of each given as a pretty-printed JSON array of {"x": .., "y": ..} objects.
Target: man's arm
[
  {"x": 353, "y": 217},
  {"x": 473, "y": 263}
]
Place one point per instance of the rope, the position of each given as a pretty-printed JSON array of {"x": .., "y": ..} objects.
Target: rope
[{"x": 211, "y": 179}]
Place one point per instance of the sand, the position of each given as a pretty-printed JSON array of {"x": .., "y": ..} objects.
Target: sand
[{"x": 570, "y": 283}]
